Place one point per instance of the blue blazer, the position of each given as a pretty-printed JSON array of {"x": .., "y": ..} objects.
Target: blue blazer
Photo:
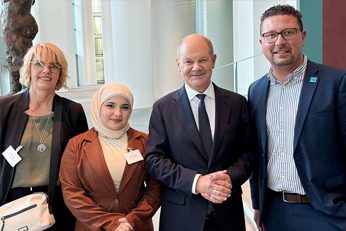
[
  {"x": 175, "y": 154},
  {"x": 319, "y": 141}
]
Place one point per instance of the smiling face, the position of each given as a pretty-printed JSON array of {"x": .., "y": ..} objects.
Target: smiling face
[
  {"x": 282, "y": 53},
  {"x": 115, "y": 112},
  {"x": 195, "y": 62},
  {"x": 43, "y": 79}
]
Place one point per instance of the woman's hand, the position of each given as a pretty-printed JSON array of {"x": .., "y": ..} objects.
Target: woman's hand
[{"x": 124, "y": 225}]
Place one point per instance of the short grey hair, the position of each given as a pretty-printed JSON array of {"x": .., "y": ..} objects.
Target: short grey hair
[{"x": 210, "y": 45}]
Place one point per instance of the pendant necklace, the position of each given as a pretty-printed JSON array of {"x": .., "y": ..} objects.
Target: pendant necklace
[{"x": 41, "y": 147}]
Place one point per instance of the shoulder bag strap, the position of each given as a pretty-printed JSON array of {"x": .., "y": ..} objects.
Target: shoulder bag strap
[{"x": 55, "y": 151}]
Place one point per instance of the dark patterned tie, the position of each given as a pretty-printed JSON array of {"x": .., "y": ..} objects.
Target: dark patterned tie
[
  {"x": 205, "y": 132},
  {"x": 204, "y": 125}
]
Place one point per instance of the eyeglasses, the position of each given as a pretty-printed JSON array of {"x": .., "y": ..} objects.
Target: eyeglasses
[
  {"x": 287, "y": 34},
  {"x": 40, "y": 66}
]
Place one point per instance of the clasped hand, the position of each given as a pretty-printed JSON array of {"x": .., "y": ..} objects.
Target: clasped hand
[
  {"x": 124, "y": 225},
  {"x": 215, "y": 187}
]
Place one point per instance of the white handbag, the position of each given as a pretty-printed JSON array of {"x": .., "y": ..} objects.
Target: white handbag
[{"x": 28, "y": 213}]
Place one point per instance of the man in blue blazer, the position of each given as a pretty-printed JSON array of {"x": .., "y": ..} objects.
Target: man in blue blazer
[
  {"x": 299, "y": 112},
  {"x": 199, "y": 148}
]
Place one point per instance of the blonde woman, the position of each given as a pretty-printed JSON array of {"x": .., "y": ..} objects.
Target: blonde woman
[{"x": 29, "y": 119}]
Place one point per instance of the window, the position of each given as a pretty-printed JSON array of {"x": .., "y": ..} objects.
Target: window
[
  {"x": 75, "y": 39},
  {"x": 97, "y": 25},
  {"x": 96, "y": 6},
  {"x": 98, "y": 47},
  {"x": 98, "y": 41},
  {"x": 99, "y": 71}
]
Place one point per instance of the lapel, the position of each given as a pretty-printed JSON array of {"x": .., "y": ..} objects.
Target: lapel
[
  {"x": 262, "y": 108},
  {"x": 130, "y": 169},
  {"x": 305, "y": 98},
  {"x": 223, "y": 108},
  {"x": 56, "y": 137},
  {"x": 21, "y": 118},
  {"x": 56, "y": 126},
  {"x": 93, "y": 151},
  {"x": 182, "y": 110},
  {"x": 14, "y": 138}
]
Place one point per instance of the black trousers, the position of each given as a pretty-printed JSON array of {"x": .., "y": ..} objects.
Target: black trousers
[
  {"x": 210, "y": 225},
  {"x": 64, "y": 220}
]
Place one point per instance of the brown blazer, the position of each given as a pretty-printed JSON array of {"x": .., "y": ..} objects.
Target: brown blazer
[{"x": 89, "y": 191}]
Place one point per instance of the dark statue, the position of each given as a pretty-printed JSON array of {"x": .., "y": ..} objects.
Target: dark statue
[{"x": 19, "y": 28}]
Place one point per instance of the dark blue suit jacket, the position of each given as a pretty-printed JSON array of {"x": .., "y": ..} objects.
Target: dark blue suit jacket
[
  {"x": 175, "y": 154},
  {"x": 319, "y": 141}
]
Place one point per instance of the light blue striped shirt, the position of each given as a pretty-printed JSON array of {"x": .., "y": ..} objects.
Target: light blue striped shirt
[{"x": 282, "y": 106}]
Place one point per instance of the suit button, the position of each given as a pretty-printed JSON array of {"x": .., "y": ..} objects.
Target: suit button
[
  {"x": 116, "y": 201},
  {"x": 210, "y": 170}
]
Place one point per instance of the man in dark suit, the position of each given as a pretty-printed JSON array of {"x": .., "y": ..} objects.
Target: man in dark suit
[
  {"x": 299, "y": 111},
  {"x": 198, "y": 148}
]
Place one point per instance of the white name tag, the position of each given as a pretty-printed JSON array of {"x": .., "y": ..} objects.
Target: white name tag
[
  {"x": 133, "y": 156},
  {"x": 12, "y": 156}
]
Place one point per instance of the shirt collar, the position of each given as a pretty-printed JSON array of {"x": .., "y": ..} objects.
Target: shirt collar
[
  {"x": 298, "y": 73},
  {"x": 210, "y": 92}
]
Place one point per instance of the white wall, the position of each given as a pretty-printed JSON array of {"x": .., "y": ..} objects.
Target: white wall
[
  {"x": 130, "y": 48},
  {"x": 215, "y": 21},
  {"x": 55, "y": 23},
  {"x": 140, "y": 40},
  {"x": 107, "y": 34},
  {"x": 171, "y": 22},
  {"x": 5, "y": 80},
  {"x": 246, "y": 15},
  {"x": 85, "y": 42}
]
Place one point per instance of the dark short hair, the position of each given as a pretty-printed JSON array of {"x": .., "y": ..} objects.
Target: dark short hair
[{"x": 282, "y": 10}]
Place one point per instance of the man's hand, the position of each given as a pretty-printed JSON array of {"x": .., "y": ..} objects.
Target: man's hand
[
  {"x": 215, "y": 187},
  {"x": 256, "y": 218},
  {"x": 124, "y": 225}
]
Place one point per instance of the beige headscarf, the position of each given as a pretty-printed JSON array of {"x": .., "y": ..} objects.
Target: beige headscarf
[
  {"x": 106, "y": 92},
  {"x": 113, "y": 143}
]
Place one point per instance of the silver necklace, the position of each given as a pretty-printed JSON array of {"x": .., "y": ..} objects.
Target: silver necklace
[{"x": 41, "y": 147}]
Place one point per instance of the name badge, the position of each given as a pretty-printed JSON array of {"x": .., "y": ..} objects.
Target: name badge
[
  {"x": 133, "y": 156},
  {"x": 313, "y": 79},
  {"x": 12, "y": 156}
]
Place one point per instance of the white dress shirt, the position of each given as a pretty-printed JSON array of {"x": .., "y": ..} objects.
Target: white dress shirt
[{"x": 209, "y": 102}]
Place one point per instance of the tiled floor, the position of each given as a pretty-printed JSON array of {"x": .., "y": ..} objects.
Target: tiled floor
[{"x": 139, "y": 120}]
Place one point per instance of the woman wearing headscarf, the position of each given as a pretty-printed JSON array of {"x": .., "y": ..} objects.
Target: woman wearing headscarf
[
  {"x": 31, "y": 119},
  {"x": 104, "y": 189}
]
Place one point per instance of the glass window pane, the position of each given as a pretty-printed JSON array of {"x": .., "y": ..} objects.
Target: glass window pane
[
  {"x": 99, "y": 71},
  {"x": 97, "y": 25},
  {"x": 1, "y": 6},
  {"x": 96, "y": 6},
  {"x": 98, "y": 47},
  {"x": 74, "y": 25}
]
